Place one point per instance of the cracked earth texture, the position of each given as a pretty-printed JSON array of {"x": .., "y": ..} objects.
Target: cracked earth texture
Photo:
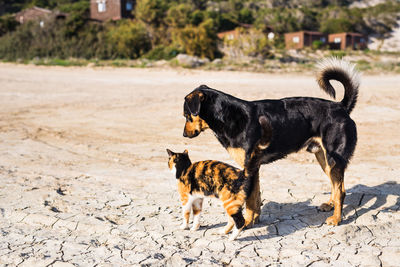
[{"x": 84, "y": 178}]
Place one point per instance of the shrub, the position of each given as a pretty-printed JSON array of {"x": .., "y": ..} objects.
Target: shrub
[
  {"x": 245, "y": 16},
  {"x": 151, "y": 12},
  {"x": 317, "y": 44},
  {"x": 129, "y": 40},
  {"x": 198, "y": 41},
  {"x": 338, "y": 54},
  {"x": 178, "y": 16},
  {"x": 30, "y": 40},
  {"x": 7, "y": 24},
  {"x": 162, "y": 52},
  {"x": 336, "y": 25}
]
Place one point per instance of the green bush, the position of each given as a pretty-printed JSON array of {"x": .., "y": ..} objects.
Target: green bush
[
  {"x": 336, "y": 25},
  {"x": 245, "y": 16},
  {"x": 30, "y": 40},
  {"x": 338, "y": 54},
  {"x": 162, "y": 52},
  {"x": 151, "y": 12},
  {"x": 7, "y": 24},
  {"x": 129, "y": 40},
  {"x": 178, "y": 16},
  {"x": 197, "y": 17},
  {"x": 317, "y": 44},
  {"x": 198, "y": 41}
]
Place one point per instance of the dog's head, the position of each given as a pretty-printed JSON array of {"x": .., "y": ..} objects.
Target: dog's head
[{"x": 191, "y": 110}]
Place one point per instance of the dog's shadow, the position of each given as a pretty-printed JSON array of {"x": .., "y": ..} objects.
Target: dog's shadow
[{"x": 361, "y": 203}]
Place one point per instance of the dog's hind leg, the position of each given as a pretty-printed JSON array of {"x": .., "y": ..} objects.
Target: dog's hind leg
[
  {"x": 319, "y": 151},
  {"x": 336, "y": 176},
  {"x": 337, "y": 146},
  {"x": 320, "y": 155},
  {"x": 338, "y": 194}
]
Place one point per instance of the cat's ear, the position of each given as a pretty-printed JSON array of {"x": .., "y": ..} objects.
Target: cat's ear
[
  {"x": 170, "y": 153},
  {"x": 186, "y": 152}
]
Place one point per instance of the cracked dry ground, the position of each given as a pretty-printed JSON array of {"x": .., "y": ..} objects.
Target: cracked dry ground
[{"x": 84, "y": 178}]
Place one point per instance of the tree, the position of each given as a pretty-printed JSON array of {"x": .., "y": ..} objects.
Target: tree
[
  {"x": 151, "y": 12},
  {"x": 178, "y": 16},
  {"x": 336, "y": 25},
  {"x": 129, "y": 40},
  {"x": 198, "y": 40}
]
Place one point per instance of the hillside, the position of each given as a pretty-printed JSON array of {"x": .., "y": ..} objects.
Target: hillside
[{"x": 163, "y": 29}]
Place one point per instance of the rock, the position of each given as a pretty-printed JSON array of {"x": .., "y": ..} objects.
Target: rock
[
  {"x": 217, "y": 62},
  {"x": 161, "y": 63},
  {"x": 191, "y": 61}
]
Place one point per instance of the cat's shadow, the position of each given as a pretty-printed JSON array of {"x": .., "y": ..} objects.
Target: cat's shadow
[{"x": 281, "y": 219}]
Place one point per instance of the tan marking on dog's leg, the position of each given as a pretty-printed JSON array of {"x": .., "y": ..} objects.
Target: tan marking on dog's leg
[
  {"x": 238, "y": 154},
  {"x": 321, "y": 158},
  {"x": 339, "y": 193},
  {"x": 253, "y": 204}
]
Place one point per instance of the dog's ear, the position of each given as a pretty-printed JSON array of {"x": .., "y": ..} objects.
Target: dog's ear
[
  {"x": 193, "y": 102},
  {"x": 170, "y": 153},
  {"x": 186, "y": 152}
]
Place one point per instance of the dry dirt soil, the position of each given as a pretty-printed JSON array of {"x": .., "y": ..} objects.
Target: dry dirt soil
[{"x": 84, "y": 178}]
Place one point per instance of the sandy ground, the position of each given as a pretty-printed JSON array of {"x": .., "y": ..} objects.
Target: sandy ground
[{"x": 84, "y": 178}]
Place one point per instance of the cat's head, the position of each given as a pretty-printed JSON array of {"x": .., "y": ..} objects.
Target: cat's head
[{"x": 178, "y": 162}]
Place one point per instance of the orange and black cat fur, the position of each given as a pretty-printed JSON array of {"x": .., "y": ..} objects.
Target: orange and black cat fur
[{"x": 213, "y": 178}]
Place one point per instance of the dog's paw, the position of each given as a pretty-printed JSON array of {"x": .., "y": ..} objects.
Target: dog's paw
[
  {"x": 332, "y": 221},
  {"x": 325, "y": 207}
]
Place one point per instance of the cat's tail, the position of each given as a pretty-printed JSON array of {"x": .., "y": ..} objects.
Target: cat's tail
[{"x": 252, "y": 165}]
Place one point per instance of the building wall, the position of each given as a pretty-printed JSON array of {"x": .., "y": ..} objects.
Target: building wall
[
  {"x": 347, "y": 41},
  {"x": 32, "y": 14},
  {"x": 299, "y": 40},
  {"x": 112, "y": 10},
  {"x": 294, "y": 40},
  {"x": 337, "y": 40}
]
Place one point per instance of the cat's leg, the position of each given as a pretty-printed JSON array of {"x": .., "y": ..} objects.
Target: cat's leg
[
  {"x": 233, "y": 205},
  {"x": 197, "y": 207},
  {"x": 228, "y": 227},
  {"x": 186, "y": 208},
  {"x": 239, "y": 224}
]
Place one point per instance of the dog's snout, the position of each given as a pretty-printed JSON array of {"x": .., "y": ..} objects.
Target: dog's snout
[{"x": 184, "y": 134}]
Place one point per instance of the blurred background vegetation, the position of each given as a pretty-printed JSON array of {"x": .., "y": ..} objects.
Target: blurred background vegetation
[{"x": 161, "y": 29}]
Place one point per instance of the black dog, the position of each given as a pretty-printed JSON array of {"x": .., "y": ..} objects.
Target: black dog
[{"x": 323, "y": 126}]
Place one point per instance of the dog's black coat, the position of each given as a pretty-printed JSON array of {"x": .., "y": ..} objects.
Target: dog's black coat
[{"x": 295, "y": 121}]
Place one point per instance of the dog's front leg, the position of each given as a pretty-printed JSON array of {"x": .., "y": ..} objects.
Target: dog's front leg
[{"x": 253, "y": 204}]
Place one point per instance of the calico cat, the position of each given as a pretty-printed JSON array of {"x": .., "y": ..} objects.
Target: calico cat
[{"x": 214, "y": 178}]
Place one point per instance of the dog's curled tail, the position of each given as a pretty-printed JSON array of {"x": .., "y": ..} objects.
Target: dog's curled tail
[{"x": 336, "y": 69}]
